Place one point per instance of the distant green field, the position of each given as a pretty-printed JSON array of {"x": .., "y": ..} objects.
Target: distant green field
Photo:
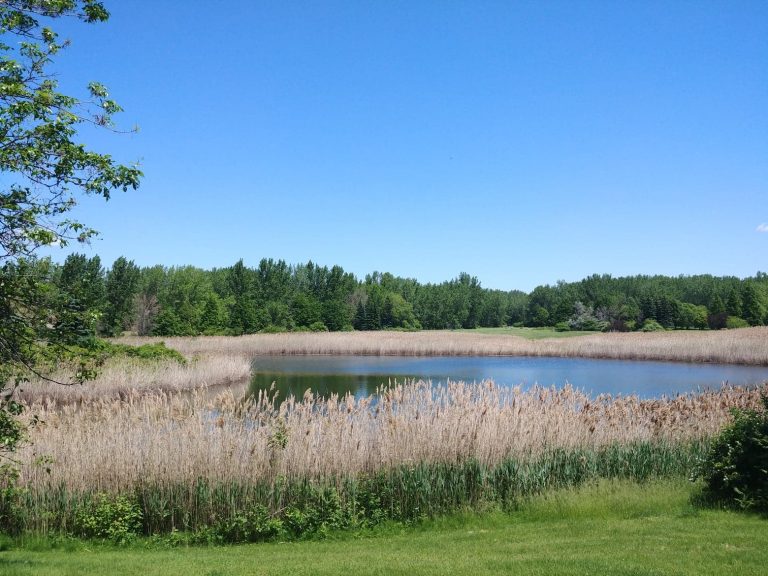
[
  {"x": 613, "y": 528},
  {"x": 529, "y": 333}
]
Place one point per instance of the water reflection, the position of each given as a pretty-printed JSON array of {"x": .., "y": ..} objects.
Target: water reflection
[{"x": 361, "y": 375}]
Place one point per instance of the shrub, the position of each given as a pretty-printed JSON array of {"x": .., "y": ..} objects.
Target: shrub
[
  {"x": 584, "y": 318},
  {"x": 562, "y": 327},
  {"x": 254, "y": 525},
  {"x": 318, "y": 327},
  {"x": 735, "y": 471},
  {"x": 111, "y": 517},
  {"x": 651, "y": 325},
  {"x": 273, "y": 329},
  {"x": 149, "y": 352},
  {"x": 735, "y": 322},
  {"x": 10, "y": 502}
]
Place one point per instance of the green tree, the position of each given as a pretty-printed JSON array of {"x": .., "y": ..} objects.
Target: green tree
[
  {"x": 397, "y": 313},
  {"x": 183, "y": 295},
  {"x": 691, "y": 316},
  {"x": 242, "y": 312},
  {"x": 44, "y": 170},
  {"x": 121, "y": 287},
  {"x": 81, "y": 290},
  {"x": 517, "y": 304},
  {"x": 337, "y": 292},
  {"x": 542, "y": 303},
  {"x": 717, "y": 314},
  {"x": 305, "y": 310},
  {"x": 753, "y": 307},
  {"x": 214, "y": 316},
  {"x": 146, "y": 303},
  {"x": 733, "y": 305},
  {"x": 83, "y": 280}
]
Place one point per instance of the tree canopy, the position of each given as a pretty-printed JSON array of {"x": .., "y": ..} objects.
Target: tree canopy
[
  {"x": 275, "y": 296},
  {"x": 44, "y": 170}
]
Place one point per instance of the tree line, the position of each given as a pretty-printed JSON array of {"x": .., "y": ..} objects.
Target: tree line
[{"x": 275, "y": 296}]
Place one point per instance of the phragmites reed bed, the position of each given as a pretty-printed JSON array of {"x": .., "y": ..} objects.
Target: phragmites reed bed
[
  {"x": 160, "y": 438},
  {"x": 183, "y": 446},
  {"x": 742, "y": 346},
  {"x": 123, "y": 377}
]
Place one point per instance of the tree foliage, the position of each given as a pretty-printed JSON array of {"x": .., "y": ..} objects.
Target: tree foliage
[
  {"x": 45, "y": 169},
  {"x": 275, "y": 296},
  {"x": 120, "y": 286}
]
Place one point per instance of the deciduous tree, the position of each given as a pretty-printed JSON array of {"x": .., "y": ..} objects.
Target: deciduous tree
[{"x": 44, "y": 169}]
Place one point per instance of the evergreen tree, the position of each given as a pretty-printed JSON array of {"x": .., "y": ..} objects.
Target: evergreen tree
[
  {"x": 242, "y": 313},
  {"x": 733, "y": 304},
  {"x": 121, "y": 288},
  {"x": 753, "y": 307},
  {"x": 359, "y": 322},
  {"x": 213, "y": 319},
  {"x": 718, "y": 317},
  {"x": 81, "y": 287}
]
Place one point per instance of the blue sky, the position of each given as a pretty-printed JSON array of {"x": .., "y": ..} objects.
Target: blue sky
[{"x": 521, "y": 142}]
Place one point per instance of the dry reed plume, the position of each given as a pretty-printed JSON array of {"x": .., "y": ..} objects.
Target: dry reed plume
[
  {"x": 743, "y": 346},
  {"x": 121, "y": 377},
  {"x": 166, "y": 439}
]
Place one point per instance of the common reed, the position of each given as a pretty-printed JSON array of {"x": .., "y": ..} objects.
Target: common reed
[
  {"x": 112, "y": 445},
  {"x": 178, "y": 451},
  {"x": 742, "y": 346},
  {"x": 122, "y": 377}
]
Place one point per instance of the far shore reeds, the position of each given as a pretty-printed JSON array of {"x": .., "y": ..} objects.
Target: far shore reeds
[{"x": 743, "y": 346}]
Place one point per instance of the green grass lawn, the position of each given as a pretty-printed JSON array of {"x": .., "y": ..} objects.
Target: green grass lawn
[
  {"x": 612, "y": 528},
  {"x": 529, "y": 333}
]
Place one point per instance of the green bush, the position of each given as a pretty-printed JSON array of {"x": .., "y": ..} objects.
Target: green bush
[
  {"x": 11, "y": 508},
  {"x": 651, "y": 325},
  {"x": 594, "y": 326},
  {"x": 562, "y": 327},
  {"x": 735, "y": 471},
  {"x": 254, "y": 525},
  {"x": 735, "y": 322},
  {"x": 117, "y": 518},
  {"x": 149, "y": 352},
  {"x": 273, "y": 329}
]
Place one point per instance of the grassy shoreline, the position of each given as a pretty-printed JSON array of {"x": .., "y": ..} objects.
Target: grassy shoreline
[
  {"x": 747, "y": 346},
  {"x": 605, "y": 528}
]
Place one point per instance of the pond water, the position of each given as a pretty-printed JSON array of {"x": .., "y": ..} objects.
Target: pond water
[{"x": 361, "y": 375}]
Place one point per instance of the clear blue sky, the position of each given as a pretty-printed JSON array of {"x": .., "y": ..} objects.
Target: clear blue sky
[{"x": 521, "y": 142}]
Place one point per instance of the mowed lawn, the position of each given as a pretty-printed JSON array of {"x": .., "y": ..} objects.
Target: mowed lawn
[
  {"x": 613, "y": 528},
  {"x": 528, "y": 333}
]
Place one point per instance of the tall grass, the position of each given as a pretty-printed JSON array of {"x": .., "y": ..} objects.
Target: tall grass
[
  {"x": 742, "y": 346},
  {"x": 123, "y": 377},
  {"x": 179, "y": 453},
  {"x": 412, "y": 449}
]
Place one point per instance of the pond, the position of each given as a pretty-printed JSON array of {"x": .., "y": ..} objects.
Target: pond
[{"x": 361, "y": 375}]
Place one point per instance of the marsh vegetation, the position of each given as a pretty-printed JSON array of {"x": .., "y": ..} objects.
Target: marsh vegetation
[
  {"x": 743, "y": 346},
  {"x": 153, "y": 441}
]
